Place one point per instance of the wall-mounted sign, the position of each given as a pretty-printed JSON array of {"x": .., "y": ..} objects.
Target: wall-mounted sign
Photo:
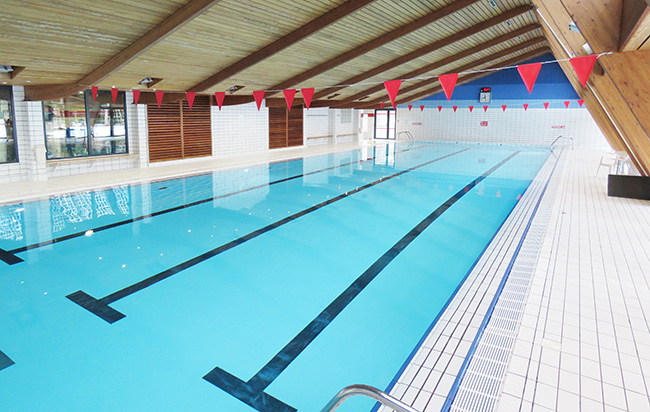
[
  {"x": 486, "y": 95},
  {"x": 484, "y": 123}
]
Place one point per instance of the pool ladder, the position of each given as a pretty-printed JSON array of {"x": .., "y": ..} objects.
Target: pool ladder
[
  {"x": 563, "y": 137},
  {"x": 370, "y": 392}
]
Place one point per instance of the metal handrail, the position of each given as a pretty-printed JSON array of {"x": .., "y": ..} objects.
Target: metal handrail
[
  {"x": 562, "y": 137},
  {"x": 370, "y": 392},
  {"x": 405, "y": 132}
]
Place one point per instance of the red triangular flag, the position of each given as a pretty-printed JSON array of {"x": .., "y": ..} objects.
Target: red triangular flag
[
  {"x": 503, "y": 106},
  {"x": 410, "y": 107},
  {"x": 448, "y": 82},
  {"x": 422, "y": 108},
  {"x": 546, "y": 106},
  {"x": 471, "y": 109},
  {"x": 525, "y": 106},
  {"x": 392, "y": 88},
  {"x": 439, "y": 108},
  {"x": 583, "y": 67},
  {"x": 136, "y": 96},
  {"x": 455, "y": 108},
  {"x": 288, "y": 97},
  {"x": 259, "y": 96},
  {"x": 95, "y": 89},
  {"x": 190, "y": 98},
  {"x": 381, "y": 105},
  {"x": 159, "y": 97},
  {"x": 220, "y": 96},
  {"x": 581, "y": 102},
  {"x": 485, "y": 108},
  {"x": 528, "y": 73},
  {"x": 114, "y": 92},
  {"x": 307, "y": 95},
  {"x": 567, "y": 103}
]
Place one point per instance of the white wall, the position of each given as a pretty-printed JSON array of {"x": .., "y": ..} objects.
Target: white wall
[
  {"x": 322, "y": 125},
  {"x": 238, "y": 130},
  {"x": 536, "y": 126}
]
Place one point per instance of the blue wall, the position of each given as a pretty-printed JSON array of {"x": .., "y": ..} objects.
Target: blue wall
[{"x": 508, "y": 88}]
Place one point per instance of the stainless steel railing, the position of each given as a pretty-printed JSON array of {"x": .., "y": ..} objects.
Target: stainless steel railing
[
  {"x": 562, "y": 137},
  {"x": 370, "y": 392}
]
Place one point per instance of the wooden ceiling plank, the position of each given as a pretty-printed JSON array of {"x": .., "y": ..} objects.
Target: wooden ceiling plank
[
  {"x": 501, "y": 18},
  {"x": 375, "y": 43},
  {"x": 635, "y": 25},
  {"x": 451, "y": 59},
  {"x": 282, "y": 43},
  {"x": 168, "y": 26}
]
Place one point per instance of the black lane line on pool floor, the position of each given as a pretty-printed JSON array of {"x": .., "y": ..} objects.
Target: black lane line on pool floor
[
  {"x": 10, "y": 258},
  {"x": 252, "y": 392},
  {"x": 5, "y": 361},
  {"x": 101, "y": 308}
]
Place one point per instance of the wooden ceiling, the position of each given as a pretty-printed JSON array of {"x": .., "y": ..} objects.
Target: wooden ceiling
[{"x": 211, "y": 45}]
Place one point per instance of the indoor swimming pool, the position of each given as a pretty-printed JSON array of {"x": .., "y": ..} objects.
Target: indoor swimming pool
[{"x": 263, "y": 289}]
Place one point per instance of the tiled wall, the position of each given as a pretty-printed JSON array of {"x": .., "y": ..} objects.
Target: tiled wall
[
  {"x": 536, "y": 126},
  {"x": 328, "y": 126},
  {"x": 240, "y": 129}
]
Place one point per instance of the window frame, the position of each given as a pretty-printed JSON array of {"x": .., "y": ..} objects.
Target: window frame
[
  {"x": 13, "y": 120},
  {"x": 88, "y": 94}
]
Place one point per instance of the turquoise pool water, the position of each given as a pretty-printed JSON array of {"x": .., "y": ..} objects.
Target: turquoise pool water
[{"x": 268, "y": 288}]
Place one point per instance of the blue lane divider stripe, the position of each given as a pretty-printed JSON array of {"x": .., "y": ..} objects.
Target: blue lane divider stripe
[
  {"x": 10, "y": 258},
  {"x": 252, "y": 392},
  {"x": 101, "y": 308},
  {"x": 463, "y": 369},
  {"x": 5, "y": 361}
]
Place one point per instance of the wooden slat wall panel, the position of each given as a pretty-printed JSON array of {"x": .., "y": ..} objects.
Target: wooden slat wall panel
[
  {"x": 294, "y": 127},
  {"x": 165, "y": 141},
  {"x": 197, "y": 128},
  {"x": 277, "y": 127}
]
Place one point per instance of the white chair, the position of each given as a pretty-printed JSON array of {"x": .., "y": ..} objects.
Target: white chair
[{"x": 615, "y": 158}]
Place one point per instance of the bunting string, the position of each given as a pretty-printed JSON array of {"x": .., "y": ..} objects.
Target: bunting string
[{"x": 583, "y": 66}]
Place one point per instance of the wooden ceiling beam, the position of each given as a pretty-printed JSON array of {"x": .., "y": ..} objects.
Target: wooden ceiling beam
[
  {"x": 449, "y": 60},
  {"x": 635, "y": 25},
  {"x": 295, "y": 36},
  {"x": 470, "y": 66},
  {"x": 168, "y": 26},
  {"x": 374, "y": 43},
  {"x": 422, "y": 51}
]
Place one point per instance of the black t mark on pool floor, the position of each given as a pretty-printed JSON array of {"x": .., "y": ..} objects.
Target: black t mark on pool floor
[
  {"x": 252, "y": 392},
  {"x": 5, "y": 361},
  {"x": 10, "y": 258},
  {"x": 101, "y": 308}
]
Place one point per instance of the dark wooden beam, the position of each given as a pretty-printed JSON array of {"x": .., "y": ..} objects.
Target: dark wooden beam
[
  {"x": 635, "y": 25},
  {"x": 470, "y": 66},
  {"x": 474, "y": 76},
  {"x": 375, "y": 43},
  {"x": 168, "y": 26},
  {"x": 448, "y": 60},
  {"x": 429, "y": 48},
  {"x": 269, "y": 50}
]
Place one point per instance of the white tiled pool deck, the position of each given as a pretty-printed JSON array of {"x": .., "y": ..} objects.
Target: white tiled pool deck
[{"x": 569, "y": 331}]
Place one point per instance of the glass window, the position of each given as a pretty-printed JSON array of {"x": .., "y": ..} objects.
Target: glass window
[
  {"x": 107, "y": 123},
  {"x": 80, "y": 126},
  {"x": 7, "y": 135},
  {"x": 66, "y": 133}
]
